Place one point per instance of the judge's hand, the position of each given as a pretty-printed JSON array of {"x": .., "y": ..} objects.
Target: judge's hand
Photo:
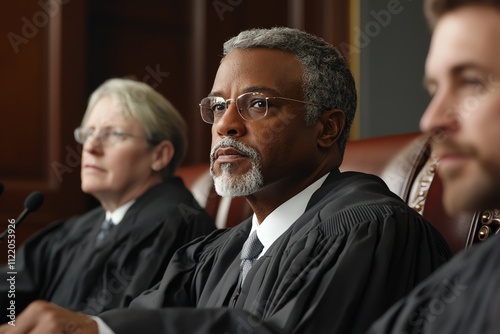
[{"x": 41, "y": 317}]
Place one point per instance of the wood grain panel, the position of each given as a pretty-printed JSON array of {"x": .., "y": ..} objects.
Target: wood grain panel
[{"x": 38, "y": 112}]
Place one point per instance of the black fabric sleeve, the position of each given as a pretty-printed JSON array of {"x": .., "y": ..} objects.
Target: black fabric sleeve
[
  {"x": 337, "y": 277},
  {"x": 462, "y": 297}
]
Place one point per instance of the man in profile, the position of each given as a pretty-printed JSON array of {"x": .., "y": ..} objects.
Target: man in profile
[{"x": 463, "y": 77}]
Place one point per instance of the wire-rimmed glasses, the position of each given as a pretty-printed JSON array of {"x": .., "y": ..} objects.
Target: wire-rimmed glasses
[
  {"x": 251, "y": 106},
  {"x": 105, "y": 137}
]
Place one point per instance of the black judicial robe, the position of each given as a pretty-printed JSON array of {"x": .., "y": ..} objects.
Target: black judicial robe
[
  {"x": 355, "y": 251},
  {"x": 61, "y": 264},
  {"x": 462, "y": 297}
]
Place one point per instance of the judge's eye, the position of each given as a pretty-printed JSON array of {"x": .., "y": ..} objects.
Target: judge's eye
[
  {"x": 117, "y": 134},
  {"x": 472, "y": 82},
  {"x": 110, "y": 136},
  {"x": 257, "y": 105},
  {"x": 218, "y": 107}
]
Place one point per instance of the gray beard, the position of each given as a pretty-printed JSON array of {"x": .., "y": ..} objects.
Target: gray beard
[{"x": 229, "y": 185}]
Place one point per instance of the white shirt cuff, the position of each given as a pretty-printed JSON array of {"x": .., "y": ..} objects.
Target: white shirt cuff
[{"x": 101, "y": 326}]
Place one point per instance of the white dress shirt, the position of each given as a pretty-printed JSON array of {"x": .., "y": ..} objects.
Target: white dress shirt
[
  {"x": 117, "y": 215},
  {"x": 284, "y": 216}
]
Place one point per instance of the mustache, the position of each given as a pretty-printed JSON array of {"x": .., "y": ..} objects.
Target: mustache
[
  {"x": 443, "y": 144},
  {"x": 233, "y": 143}
]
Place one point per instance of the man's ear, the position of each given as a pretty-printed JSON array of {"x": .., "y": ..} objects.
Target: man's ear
[
  {"x": 333, "y": 122},
  {"x": 162, "y": 155}
]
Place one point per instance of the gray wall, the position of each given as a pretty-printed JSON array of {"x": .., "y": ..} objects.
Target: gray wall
[{"x": 394, "y": 40}]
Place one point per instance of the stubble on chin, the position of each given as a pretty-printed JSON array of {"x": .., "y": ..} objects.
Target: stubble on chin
[{"x": 467, "y": 195}]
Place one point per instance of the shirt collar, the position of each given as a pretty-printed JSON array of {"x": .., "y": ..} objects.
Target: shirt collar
[
  {"x": 284, "y": 216},
  {"x": 117, "y": 215}
]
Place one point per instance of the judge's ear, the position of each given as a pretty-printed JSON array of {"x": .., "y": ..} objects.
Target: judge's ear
[
  {"x": 162, "y": 155},
  {"x": 333, "y": 122}
]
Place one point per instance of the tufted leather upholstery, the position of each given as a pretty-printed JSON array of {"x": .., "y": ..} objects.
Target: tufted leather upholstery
[{"x": 403, "y": 161}]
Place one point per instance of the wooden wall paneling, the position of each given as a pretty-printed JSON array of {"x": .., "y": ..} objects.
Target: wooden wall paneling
[
  {"x": 37, "y": 107},
  {"x": 328, "y": 19},
  {"x": 199, "y": 131},
  {"x": 151, "y": 42}
]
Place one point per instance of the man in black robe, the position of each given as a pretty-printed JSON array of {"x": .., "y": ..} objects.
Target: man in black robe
[
  {"x": 336, "y": 249},
  {"x": 462, "y": 74}
]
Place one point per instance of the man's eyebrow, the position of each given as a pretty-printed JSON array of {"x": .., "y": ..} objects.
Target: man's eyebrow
[
  {"x": 262, "y": 89},
  {"x": 467, "y": 66},
  {"x": 455, "y": 71},
  {"x": 251, "y": 89},
  {"x": 214, "y": 94}
]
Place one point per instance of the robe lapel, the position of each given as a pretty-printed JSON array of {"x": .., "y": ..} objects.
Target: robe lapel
[{"x": 222, "y": 282}]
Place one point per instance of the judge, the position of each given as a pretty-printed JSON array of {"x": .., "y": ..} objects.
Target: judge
[
  {"x": 325, "y": 252},
  {"x": 462, "y": 74},
  {"x": 133, "y": 140}
]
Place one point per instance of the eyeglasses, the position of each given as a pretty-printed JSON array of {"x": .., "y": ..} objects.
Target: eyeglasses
[
  {"x": 251, "y": 106},
  {"x": 105, "y": 137}
]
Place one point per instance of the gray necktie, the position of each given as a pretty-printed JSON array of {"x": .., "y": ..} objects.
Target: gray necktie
[
  {"x": 105, "y": 228},
  {"x": 251, "y": 249}
]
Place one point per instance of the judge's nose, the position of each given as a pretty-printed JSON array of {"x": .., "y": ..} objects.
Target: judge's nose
[
  {"x": 93, "y": 145},
  {"x": 231, "y": 123},
  {"x": 440, "y": 115}
]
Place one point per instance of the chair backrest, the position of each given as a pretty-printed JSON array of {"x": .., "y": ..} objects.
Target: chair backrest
[{"x": 403, "y": 161}]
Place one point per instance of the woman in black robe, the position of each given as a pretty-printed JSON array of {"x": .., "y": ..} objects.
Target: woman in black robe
[{"x": 133, "y": 140}]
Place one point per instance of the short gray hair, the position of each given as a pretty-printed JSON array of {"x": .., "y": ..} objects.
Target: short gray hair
[
  {"x": 157, "y": 115},
  {"x": 327, "y": 79}
]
